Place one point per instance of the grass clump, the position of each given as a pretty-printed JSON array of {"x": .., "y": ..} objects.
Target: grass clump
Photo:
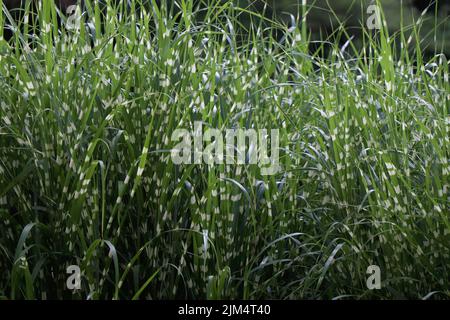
[{"x": 86, "y": 119}]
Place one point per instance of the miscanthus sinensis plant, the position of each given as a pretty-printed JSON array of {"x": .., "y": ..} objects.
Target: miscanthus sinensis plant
[{"x": 86, "y": 179}]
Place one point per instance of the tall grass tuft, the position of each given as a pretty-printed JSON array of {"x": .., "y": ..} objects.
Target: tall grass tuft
[{"x": 86, "y": 177}]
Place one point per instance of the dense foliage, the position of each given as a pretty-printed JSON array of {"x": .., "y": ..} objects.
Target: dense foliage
[{"x": 86, "y": 177}]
